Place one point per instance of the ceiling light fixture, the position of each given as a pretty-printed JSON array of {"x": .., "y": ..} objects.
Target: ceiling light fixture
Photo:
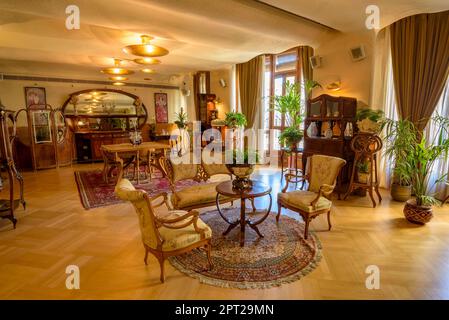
[
  {"x": 146, "y": 70},
  {"x": 145, "y": 49},
  {"x": 118, "y": 78},
  {"x": 118, "y": 83},
  {"x": 117, "y": 70},
  {"x": 147, "y": 61}
]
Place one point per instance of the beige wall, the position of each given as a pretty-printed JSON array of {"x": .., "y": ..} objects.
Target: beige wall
[
  {"x": 224, "y": 93},
  {"x": 13, "y": 97},
  {"x": 336, "y": 64}
]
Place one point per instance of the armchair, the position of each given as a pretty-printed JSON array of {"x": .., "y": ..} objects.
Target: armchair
[
  {"x": 322, "y": 177},
  {"x": 174, "y": 233}
]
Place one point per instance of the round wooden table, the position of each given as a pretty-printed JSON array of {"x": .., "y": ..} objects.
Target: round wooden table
[{"x": 258, "y": 190}]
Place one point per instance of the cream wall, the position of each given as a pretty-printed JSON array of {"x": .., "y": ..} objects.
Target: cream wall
[
  {"x": 13, "y": 97},
  {"x": 336, "y": 64},
  {"x": 223, "y": 93}
]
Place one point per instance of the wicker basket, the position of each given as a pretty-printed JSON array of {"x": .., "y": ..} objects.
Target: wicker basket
[{"x": 417, "y": 214}]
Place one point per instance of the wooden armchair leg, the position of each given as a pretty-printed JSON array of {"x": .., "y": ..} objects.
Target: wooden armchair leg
[
  {"x": 306, "y": 230},
  {"x": 329, "y": 220},
  {"x": 209, "y": 259},
  {"x": 161, "y": 263},
  {"x": 279, "y": 212},
  {"x": 146, "y": 257}
]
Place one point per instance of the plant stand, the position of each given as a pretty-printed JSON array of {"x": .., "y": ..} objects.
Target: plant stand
[{"x": 366, "y": 146}]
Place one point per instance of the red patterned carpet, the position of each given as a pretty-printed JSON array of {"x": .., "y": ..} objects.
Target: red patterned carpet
[{"x": 94, "y": 192}]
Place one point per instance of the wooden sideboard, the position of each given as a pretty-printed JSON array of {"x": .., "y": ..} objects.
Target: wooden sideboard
[{"x": 88, "y": 144}]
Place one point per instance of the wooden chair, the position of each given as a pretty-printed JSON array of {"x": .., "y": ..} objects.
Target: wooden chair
[
  {"x": 173, "y": 234},
  {"x": 322, "y": 177}
]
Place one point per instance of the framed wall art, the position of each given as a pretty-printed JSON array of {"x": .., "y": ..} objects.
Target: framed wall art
[
  {"x": 35, "y": 96},
  {"x": 161, "y": 107}
]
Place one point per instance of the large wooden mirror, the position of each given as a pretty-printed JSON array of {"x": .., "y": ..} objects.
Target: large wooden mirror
[{"x": 104, "y": 109}]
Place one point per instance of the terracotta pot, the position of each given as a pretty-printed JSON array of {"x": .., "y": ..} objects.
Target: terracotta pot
[
  {"x": 400, "y": 193},
  {"x": 363, "y": 177},
  {"x": 417, "y": 214}
]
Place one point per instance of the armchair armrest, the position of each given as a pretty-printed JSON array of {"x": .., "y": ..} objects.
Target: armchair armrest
[
  {"x": 164, "y": 201},
  {"x": 173, "y": 223},
  {"x": 289, "y": 178},
  {"x": 325, "y": 191}
]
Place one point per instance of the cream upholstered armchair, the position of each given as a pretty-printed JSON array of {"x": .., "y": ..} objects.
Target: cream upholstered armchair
[
  {"x": 173, "y": 233},
  {"x": 321, "y": 173}
]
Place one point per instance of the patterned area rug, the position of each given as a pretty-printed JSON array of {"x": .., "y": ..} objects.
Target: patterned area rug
[
  {"x": 94, "y": 192},
  {"x": 282, "y": 256}
]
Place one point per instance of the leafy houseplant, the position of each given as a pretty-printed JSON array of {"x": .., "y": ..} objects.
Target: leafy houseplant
[
  {"x": 363, "y": 171},
  {"x": 242, "y": 166},
  {"x": 400, "y": 136},
  {"x": 234, "y": 120},
  {"x": 369, "y": 120},
  {"x": 289, "y": 106},
  {"x": 418, "y": 164},
  {"x": 181, "y": 121}
]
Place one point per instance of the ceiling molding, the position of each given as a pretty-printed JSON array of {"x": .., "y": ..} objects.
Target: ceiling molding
[
  {"x": 65, "y": 80},
  {"x": 261, "y": 2}
]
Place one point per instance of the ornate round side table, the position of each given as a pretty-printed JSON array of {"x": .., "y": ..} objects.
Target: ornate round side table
[{"x": 258, "y": 189}]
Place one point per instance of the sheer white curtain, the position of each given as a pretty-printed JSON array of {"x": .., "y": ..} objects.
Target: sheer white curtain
[
  {"x": 383, "y": 96},
  {"x": 442, "y": 165}
]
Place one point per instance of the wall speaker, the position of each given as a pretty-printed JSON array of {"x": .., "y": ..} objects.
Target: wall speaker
[
  {"x": 222, "y": 82},
  {"x": 357, "y": 53},
  {"x": 315, "y": 62}
]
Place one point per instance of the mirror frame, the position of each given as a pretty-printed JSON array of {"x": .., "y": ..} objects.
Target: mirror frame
[{"x": 105, "y": 116}]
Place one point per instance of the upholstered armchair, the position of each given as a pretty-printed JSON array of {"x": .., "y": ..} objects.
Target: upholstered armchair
[
  {"x": 321, "y": 174},
  {"x": 171, "y": 234}
]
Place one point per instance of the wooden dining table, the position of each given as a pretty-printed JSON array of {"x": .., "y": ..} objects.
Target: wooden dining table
[{"x": 115, "y": 152}]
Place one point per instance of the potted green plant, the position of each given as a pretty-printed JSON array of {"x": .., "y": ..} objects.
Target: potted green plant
[
  {"x": 242, "y": 164},
  {"x": 289, "y": 106},
  {"x": 421, "y": 161},
  {"x": 400, "y": 137},
  {"x": 363, "y": 171},
  {"x": 181, "y": 120},
  {"x": 369, "y": 120},
  {"x": 235, "y": 120}
]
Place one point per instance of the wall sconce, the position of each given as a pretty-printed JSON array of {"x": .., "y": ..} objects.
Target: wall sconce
[{"x": 334, "y": 86}]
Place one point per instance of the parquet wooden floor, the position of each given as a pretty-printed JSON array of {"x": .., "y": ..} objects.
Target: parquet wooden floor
[{"x": 55, "y": 231}]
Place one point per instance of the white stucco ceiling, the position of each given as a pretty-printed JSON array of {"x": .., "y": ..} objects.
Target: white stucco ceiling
[{"x": 200, "y": 34}]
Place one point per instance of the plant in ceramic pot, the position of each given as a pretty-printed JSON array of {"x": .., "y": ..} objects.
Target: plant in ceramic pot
[
  {"x": 181, "y": 120},
  {"x": 290, "y": 107},
  {"x": 363, "y": 171},
  {"x": 234, "y": 120},
  {"x": 241, "y": 164},
  {"x": 421, "y": 161},
  {"x": 369, "y": 120},
  {"x": 400, "y": 137}
]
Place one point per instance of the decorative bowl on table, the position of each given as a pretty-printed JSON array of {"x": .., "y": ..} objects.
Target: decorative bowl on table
[
  {"x": 242, "y": 173},
  {"x": 135, "y": 137}
]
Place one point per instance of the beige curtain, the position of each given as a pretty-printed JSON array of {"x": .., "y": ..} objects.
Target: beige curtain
[
  {"x": 420, "y": 56},
  {"x": 249, "y": 76},
  {"x": 305, "y": 52}
]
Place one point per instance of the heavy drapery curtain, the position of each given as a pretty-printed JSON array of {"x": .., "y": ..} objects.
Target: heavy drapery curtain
[
  {"x": 420, "y": 57},
  {"x": 305, "y": 52},
  {"x": 249, "y": 76}
]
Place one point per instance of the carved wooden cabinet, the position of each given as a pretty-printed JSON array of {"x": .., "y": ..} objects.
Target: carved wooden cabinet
[{"x": 329, "y": 126}]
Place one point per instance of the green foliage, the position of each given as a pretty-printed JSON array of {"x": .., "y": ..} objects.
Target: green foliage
[
  {"x": 363, "y": 166},
  {"x": 289, "y": 105},
  {"x": 181, "y": 121},
  {"x": 310, "y": 85},
  {"x": 366, "y": 113},
  {"x": 291, "y": 136},
  {"x": 415, "y": 156},
  {"x": 235, "y": 119},
  {"x": 243, "y": 156}
]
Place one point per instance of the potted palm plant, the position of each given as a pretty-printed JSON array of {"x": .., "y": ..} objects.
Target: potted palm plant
[
  {"x": 289, "y": 106},
  {"x": 421, "y": 161},
  {"x": 181, "y": 120},
  {"x": 400, "y": 137}
]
